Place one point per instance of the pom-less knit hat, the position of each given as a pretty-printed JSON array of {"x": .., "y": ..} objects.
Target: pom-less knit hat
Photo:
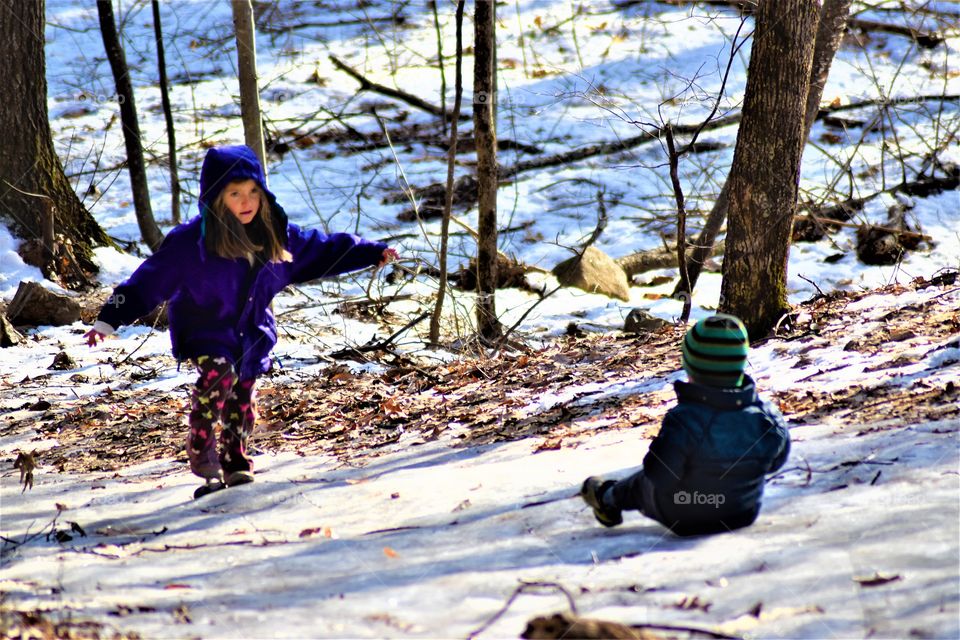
[{"x": 715, "y": 351}]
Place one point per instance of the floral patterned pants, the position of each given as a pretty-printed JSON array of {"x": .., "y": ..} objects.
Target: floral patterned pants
[{"x": 220, "y": 396}]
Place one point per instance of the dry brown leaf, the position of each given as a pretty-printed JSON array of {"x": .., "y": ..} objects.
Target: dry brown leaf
[
  {"x": 550, "y": 444},
  {"x": 390, "y": 406}
]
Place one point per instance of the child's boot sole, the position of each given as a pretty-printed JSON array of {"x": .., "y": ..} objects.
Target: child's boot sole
[{"x": 239, "y": 477}]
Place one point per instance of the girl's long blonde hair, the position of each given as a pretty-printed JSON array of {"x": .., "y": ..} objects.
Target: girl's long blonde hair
[{"x": 227, "y": 237}]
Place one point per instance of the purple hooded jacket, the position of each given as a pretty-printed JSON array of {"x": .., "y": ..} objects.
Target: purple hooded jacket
[{"x": 214, "y": 307}]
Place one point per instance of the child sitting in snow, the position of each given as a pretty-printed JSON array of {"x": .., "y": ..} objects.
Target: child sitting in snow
[
  {"x": 704, "y": 472},
  {"x": 219, "y": 272}
]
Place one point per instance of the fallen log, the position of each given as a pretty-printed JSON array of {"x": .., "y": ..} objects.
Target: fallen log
[
  {"x": 373, "y": 141},
  {"x": 33, "y": 305},
  {"x": 614, "y": 146},
  {"x": 434, "y": 193},
  {"x": 886, "y": 101},
  {"x": 464, "y": 195},
  {"x": 643, "y": 261},
  {"x": 924, "y": 39},
  {"x": 396, "y": 19}
]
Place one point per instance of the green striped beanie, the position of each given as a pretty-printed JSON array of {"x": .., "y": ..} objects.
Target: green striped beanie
[{"x": 715, "y": 351}]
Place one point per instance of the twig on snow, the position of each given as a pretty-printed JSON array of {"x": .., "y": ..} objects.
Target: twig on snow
[
  {"x": 523, "y": 588},
  {"x": 379, "y": 345},
  {"x": 368, "y": 85}
]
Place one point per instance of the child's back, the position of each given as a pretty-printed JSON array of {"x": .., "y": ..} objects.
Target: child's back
[
  {"x": 704, "y": 472},
  {"x": 708, "y": 462}
]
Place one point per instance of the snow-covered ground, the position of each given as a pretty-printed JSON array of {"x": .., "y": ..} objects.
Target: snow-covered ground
[
  {"x": 430, "y": 542},
  {"x": 428, "y": 539},
  {"x": 858, "y": 536}
]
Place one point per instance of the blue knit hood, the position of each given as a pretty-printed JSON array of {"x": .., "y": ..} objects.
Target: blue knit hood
[{"x": 227, "y": 164}]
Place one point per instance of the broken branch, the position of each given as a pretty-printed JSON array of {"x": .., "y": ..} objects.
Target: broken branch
[{"x": 403, "y": 96}]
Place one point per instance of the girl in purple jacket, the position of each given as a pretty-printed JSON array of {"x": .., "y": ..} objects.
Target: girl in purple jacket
[{"x": 219, "y": 272}]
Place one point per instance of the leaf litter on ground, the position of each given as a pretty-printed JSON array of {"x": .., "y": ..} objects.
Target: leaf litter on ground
[{"x": 561, "y": 393}]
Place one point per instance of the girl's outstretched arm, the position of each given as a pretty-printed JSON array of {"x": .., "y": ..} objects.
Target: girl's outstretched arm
[{"x": 318, "y": 255}]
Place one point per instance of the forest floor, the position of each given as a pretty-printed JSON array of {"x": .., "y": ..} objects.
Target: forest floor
[
  {"x": 351, "y": 413},
  {"x": 412, "y": 496}
]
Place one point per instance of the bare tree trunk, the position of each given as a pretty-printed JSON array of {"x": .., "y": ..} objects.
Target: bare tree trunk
[
  {"x": 443, "y": 74},
  {"x": 149, "y": 231},
  {"x": 485, "y": 134},
  {"x": 247, "y": 71},
  {"x": 833, "y": 23},
  {"x": 168, "y": 116},
  {"x": 681, "y": 223},
  {"x": 833, "y": 20},
  {"x": 766, "y": 164},
  {"x": 451, "y": 163},
  {"x": 28, "y": 161}
]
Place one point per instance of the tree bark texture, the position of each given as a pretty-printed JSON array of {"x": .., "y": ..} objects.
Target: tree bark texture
[
  {"x": 149, "y": 231},
  {"x": 764, "y": 178},
  {"x": 28, "y": 161},
  {"x": 247, "y": 72},
  {"x": 832, "y": 25},
  {"x": 485, "y": 134}
]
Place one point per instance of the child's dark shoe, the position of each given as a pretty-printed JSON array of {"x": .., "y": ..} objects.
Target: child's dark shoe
[
  {"x": 592, "y": 493},
  {"x": 239, "y": 477}
]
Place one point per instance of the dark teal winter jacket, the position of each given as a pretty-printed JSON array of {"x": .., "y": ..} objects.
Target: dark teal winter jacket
[{"x": 708, "y": 463}]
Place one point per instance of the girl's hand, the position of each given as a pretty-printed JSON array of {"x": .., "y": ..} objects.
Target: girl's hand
[
  {"x": 93, "y": 336},
  {"x": 388, "y": 256}
]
